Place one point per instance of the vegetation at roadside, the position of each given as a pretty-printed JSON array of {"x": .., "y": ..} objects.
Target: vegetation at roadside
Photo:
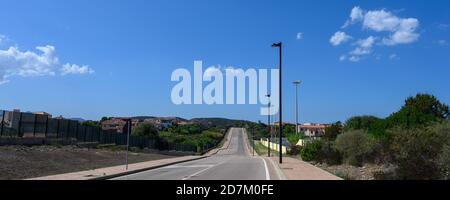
[{"x": 415, "y": 141}]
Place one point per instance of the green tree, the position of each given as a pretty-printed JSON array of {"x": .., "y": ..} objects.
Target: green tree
[
  {"x": 419, "y": 111},
  {"x": 294, "y": 138},
  {"x": 373, "y": 125},
  {"x": 146, "y": 130},
  {"x": 333, "y": 131},
  {"x": 105, "y": 119},
  {"x": 91, "y": 124},
  {"x": 289, "y": 129},
  {"x": 360, "y": 122}
]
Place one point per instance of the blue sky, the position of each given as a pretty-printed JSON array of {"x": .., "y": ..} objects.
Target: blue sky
[{"x": 115, "y": 58}]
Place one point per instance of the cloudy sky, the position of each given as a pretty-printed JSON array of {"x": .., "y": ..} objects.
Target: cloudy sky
[{"x": 99, "y": 58}]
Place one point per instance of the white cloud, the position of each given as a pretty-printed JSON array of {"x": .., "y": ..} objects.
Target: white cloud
[
  {"x": 14, "y": 62},
  {"x": 299, "y": 36},
  {"x": 367, "y": 43},
  {"x": 388, "y": 30},
  {"x": 76, "y": 69},
  {"x": 405, "y": 34},
  {"x": 357, "y": 14},
  {"x": 402, "y": 30},
  {"x": 354, "y": 58},
  {"x": 339, "y": 38},
  {"x": 364, "y": 47},
  {"x": 343, "y": 58},
  {"x": 393, "y": 56}
]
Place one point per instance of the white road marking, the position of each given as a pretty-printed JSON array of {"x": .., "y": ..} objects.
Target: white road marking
[
  {"x": 201, "y": 171},
  {"x": 267, "y": 169}
]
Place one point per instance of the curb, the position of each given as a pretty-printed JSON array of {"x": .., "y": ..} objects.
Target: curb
[
  {"x": 277, "y": 168},
  {"x": 143, "y": 169}
]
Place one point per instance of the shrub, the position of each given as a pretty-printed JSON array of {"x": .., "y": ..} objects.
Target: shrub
[
  {"x": 355, "y": 146},
  {"x": 416, "y": 152},
  {"x": 310, "y": 150},
  {"x": 329, "y": 155},
  {"x": 294, "y": 150},
  {"x": 444, "y": 163}
]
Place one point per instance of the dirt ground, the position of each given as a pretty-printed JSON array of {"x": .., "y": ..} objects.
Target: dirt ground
[{"x": 21, "y": 162}]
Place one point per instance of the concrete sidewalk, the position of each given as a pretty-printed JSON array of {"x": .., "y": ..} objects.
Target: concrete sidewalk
[
  {"x": 111, "y": 172},
  {"x": 295, "y": 169}
]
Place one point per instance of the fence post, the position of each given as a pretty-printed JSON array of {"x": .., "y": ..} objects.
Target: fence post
[
  {"x": 3, "y": 121},
  {"x": 46, "y": 127},
  {"x": 34, "y": 125},
  {"x": 20, "y": 126}
]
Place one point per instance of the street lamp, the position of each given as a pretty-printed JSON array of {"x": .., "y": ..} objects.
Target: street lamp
[
  {"x": 280, "y": 47},
  {"x": 296, "y": 83},
  {"x": 269, "y": 128}
]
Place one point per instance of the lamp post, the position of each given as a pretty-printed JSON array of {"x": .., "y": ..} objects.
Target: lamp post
[
  {"x": 280, "y": 47},
  {"x": 269, "y": 128},
  {"x": 296, "y": 83}
]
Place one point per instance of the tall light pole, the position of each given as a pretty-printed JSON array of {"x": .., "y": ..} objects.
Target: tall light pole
[
  {"x": 280, "y": 47},
  {"x": 268, "y": 125},
  {"x": 296, "y": 83}
]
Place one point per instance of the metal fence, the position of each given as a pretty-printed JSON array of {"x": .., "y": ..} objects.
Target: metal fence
[{"x": 20, "y": 125}]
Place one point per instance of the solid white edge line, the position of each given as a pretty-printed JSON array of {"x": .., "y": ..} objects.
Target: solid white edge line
[{"x": 267, "y": 169}]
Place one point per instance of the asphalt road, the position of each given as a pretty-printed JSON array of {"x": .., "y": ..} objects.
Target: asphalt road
[{"x": 232, "y": 163}]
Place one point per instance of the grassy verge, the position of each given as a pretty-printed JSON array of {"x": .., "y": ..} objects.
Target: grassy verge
[{"x": 262, "y": 150}]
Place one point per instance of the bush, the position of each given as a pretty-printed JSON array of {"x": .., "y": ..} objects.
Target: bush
[
  {"x": 355, "y": 146},
  {"x": 329, "y": 155},
  {"x": 417, "y": 152},
  {"x": 310, "y": 150},
  {"x": 294, "y": 150},
  {"x": 444, "y": 163}
]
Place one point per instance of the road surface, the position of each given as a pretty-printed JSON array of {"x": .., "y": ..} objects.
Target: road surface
[{"x": 232, "y": 163}]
